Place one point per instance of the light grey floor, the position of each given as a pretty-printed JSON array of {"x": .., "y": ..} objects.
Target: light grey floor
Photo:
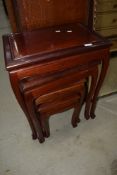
[{"x": 89, "y": 149}]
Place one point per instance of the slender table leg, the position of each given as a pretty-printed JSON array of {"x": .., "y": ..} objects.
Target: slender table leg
[
  {"x": 45, "y": 125},
  {"x": 75, "y": 117},
  {"x": 33, "y": 115},
  {"x": 94, "y": 77},
  {"x": 105, "y": 64},
  {"x": 76, "y": 113},
  {"x": 15, "y": 86}
]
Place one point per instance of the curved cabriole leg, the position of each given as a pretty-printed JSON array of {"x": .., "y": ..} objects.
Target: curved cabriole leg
[
  {"x": 45, "y": 125},
  {"x": 75, "y": 117},
  {"x": 105, "y": 64},
  {"x": 31, "y": 110},
  {"x": 94, "y": 77},
  {"x": 15, "y": 86}
]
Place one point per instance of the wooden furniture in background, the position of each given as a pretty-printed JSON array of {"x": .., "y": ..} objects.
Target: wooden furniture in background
[
  {"x": 105, "y": 23},
  {"x": 11, "y": 14},
  {"x": 105, "y": 20},
  {"x": 28, "y": 15}
]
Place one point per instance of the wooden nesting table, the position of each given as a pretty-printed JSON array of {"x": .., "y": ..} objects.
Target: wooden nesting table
[{"x": 49, "y": 71}]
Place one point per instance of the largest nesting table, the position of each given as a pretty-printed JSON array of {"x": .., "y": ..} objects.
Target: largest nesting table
[{"x": 55, "y": 61}]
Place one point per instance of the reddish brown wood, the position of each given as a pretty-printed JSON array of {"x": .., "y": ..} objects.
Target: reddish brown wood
[
  {"x": 60, "y": 61},
  {"x": 66, "y": 100},
  {"x": 25, "y": 49},
  {"x": 45, "y": 124},
  {"x": 56, "y": 101},
  {"x": 11, "y": 14},
  {"x": 38, "y": 13},
  {"x": 75, "y": 117},
  {"x": 46, "y": 93},
  {"x": 105, "y": 64},
  {"x": 36, "y": 123},
  {"x": 94, "y": 77},
  {"x": 16, "y": 89}
]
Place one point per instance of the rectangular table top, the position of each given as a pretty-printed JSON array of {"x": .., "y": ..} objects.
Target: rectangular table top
[{"x": 42, "y": 44}]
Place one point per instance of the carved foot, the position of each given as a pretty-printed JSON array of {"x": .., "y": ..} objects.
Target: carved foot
[
  {"x": 78, "y": 120},
  {"x": 75, "y": 123},
  {"x": 93, "y": 116},
  {"x": 34, "y": 136},
  {"x": 45, "y": 126},
  {"x": 87, "y": 116},
  {"x": 41, "y": 140},
  {"x": 46, "y": 134}
]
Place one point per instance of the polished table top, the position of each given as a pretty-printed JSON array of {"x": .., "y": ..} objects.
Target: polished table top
[{"x": 42, "y": 44}]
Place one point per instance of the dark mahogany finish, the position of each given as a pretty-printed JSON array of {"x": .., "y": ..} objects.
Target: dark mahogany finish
[
  {"x": 53, "y": 97},
  {"x": 49, "y": 68},
  {"x": 44, "y": 13}
]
